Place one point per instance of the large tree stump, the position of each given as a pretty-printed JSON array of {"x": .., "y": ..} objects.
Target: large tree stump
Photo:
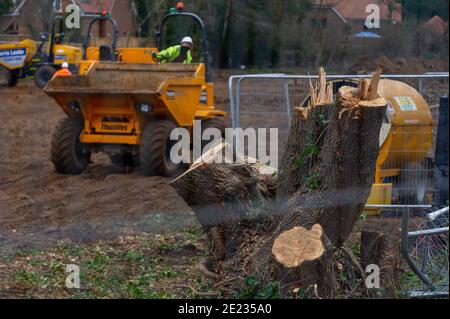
[{"x": 324, "y": 182}]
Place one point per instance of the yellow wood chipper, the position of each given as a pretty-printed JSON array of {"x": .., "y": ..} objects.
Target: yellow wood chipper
[
  {"x": 128, "y": 110},
  {"x": 405, "y": 141}
]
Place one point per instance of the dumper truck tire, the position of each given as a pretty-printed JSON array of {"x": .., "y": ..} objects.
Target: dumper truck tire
[
  {"x": 155, "y": 150},
  {"x": 216, "y": 123},
  {"x": 43, "y": 75},
  {"x": 5, "y": 76},
  {"x": 14, "y": 79},
  {"x": 412, "y": 186},
  {"x": 68, "y": 154}
]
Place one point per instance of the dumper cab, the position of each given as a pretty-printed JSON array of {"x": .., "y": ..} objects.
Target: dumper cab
[{"x": 57, "y": 53}]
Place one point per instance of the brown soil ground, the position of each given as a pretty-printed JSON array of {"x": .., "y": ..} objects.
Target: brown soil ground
[
  {"x": 364, "y": 64},
  {"x": 39, "y": 207}
]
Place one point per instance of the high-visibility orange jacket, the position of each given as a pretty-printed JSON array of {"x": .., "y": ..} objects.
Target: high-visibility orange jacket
[{"x": 62, "y": 72}]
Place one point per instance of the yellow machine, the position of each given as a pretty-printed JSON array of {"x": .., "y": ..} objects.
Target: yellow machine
[
  {"x": 57, "y": 54},
  {"x": 26, "y": 58},
  {"x": 15, "y": 60},
  {"x": 129, "y": 110},
  {"x": 111, "y": 52},
  {"x": 405, "y": 141}
]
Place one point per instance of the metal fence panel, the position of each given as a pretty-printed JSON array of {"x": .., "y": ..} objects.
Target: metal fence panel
[{"x": 426, "y": 251}]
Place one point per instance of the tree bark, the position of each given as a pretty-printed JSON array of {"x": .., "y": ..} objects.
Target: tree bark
[
  {"x": 226, "y": 199},
  {"x": 224, "y": 42},
  {"x": 324, "y": 182},
  {"x": 383, "y": 251}
]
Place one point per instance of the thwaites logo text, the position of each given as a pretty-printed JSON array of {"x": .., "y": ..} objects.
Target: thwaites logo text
[{"x": 114, "y": 127}]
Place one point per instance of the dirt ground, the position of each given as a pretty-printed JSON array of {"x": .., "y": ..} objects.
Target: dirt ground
[
  {"x": 40, "y": 207},
  {"x": 365, "y": 64}
]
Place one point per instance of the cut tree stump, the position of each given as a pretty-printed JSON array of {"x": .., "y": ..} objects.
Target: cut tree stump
[
  {"x": 298, "y": 245},
  {"x": 382, "y": 250},
  {"x": 324, "y": 181}
]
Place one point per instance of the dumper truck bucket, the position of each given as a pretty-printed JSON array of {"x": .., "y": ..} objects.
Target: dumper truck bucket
[{"x": 109, "y": 78}]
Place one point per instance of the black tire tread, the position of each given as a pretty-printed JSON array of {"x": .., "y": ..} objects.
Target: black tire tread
[
  {"x": 41, "y": 83},
  {"x": 14, "y": 80},
  {"x": 152, "y": 149},
  {"x": 216, "y": 122},
  {"x": 62, "y": 147}
]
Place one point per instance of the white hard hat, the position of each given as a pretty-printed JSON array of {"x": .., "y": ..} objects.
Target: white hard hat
[
  {"x": 65, "y": 65},
  {"x": 187, "y": 40}
]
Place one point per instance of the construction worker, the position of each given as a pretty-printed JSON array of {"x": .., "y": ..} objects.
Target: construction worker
[
  {"x": 64, "y": 71},
  {"x": 176, "y": 54}
]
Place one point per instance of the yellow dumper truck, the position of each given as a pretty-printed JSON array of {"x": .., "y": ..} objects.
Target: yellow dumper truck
[
  {"x": 128, "y": 110},
  {"x": 25, "y": 58},
  {"x": 16, "y": 60}
]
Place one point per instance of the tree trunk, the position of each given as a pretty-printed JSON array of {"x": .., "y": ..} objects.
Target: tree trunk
[
  {"x": 226, "y": 199},
  {"x": 324, "y": 182},
  {"x": 224, "y": 42}
]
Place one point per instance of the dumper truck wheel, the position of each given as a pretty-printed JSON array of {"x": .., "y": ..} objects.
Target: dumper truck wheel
[
  {"x": 5, "y": 76},
  {"x": 68, "y": 153},
  {"x": 413, "y": 184},
  {"x": 155, "y": 150},
  {"x": 14, "y": 79},
  {"x": 43, "y": 75},
  {"x": 216, "y": 123}
]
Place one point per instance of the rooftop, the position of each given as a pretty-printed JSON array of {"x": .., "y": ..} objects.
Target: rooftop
[{"x": 356, "y": 9}]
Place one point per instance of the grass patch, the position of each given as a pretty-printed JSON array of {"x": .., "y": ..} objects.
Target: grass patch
[{"x": 138, "y": 267}]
